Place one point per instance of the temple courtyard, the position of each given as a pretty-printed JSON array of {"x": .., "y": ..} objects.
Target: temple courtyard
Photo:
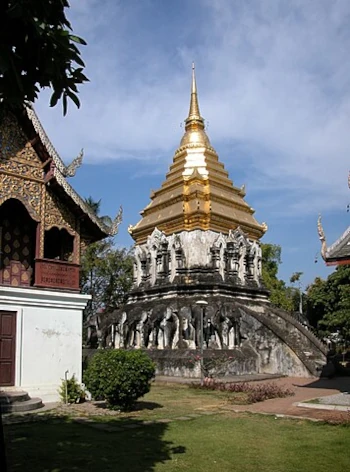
[{"x": 176, "y": 427}]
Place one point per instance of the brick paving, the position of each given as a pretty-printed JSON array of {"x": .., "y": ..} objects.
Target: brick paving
[{"x": 304, "y": 390}]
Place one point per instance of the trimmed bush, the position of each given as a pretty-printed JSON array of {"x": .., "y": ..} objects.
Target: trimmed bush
[
  {"x": 71, "y": 391},
  {"x": 119, "y": 377}
]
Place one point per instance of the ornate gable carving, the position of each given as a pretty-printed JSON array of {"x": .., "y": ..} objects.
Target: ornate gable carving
[
  {"x": 57, "y": 214},
  {"x": 14, "y": 145},
  {"x": 21, "y": 174},
  {"x": 27, "y": 192}
]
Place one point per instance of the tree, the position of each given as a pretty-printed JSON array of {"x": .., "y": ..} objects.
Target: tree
[
  {"x": 329, "y": 304},
  {"x": 106, "y": 275},
  {"x": 298, "y": 294},
  {"x": 316, "y": 301},
  {"x": 280, "y": 295},
  {"x": 95, "y": 206},
  {"x": 295, "y": 277},
  {"x": 37, "y": 50},
  {"x": 106, "y": 271}
]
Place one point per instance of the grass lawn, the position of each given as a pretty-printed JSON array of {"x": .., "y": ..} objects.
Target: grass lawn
[
  {"x": 176, "y": 400},
  {"x": 218, "y": 443}
]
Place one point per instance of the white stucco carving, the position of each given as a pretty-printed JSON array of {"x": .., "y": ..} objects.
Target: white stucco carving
[{"x": 232, "y": 255}]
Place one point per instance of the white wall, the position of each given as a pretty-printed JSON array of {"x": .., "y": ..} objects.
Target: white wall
[{"x": 48, "y": 338}]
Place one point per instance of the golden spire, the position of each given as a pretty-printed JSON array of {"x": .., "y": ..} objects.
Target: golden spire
[
  {"x": 197, "y": 192},
  {"x": 194, "y": 113},
  {"x": 194, "y": 123}
]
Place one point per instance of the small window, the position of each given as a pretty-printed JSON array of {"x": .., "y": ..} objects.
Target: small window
[{"x": 58, "y": 245}]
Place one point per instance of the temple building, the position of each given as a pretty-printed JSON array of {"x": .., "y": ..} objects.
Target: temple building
[
  {"x": 44, "y": 228},
  {"x": 198, "y": 241},
  {"x": 339, "y": 252}
]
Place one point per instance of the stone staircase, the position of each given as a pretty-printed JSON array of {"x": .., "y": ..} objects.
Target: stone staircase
[
  {"x": 310, "y": 350},
  {"x": 309, "y": 334},
  {"x": 18, "y": 402}
]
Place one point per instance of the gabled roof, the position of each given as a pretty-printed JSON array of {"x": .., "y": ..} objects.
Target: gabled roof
[
  {"x": 339, "y": 252},
  {"x": 59, "y": 172}
]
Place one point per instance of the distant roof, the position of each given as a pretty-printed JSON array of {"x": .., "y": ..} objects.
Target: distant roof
[{"x": 339, "y": 252}]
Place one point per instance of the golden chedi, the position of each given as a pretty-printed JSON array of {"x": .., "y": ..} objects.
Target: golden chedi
[
  {"x": 197, "y": 192},
  {"x": 197, "y": 276}
]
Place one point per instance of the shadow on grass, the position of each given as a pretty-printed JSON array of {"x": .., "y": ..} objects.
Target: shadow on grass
[
  {"x": 139, "y": 406},
  {"x": 60, "y": 445}
]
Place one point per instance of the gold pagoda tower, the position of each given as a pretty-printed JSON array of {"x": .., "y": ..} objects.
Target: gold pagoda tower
[
  {"x": 197, "y": 193},
  {"x": 197, "y": 275}
]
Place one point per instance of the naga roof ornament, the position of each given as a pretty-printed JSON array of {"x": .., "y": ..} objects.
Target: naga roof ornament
[
  {"x": 71, "y": 169},
  {"x": 322, "y": 237}
]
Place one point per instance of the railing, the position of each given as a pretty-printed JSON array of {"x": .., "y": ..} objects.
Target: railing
[{"x": 56, "y": 274}]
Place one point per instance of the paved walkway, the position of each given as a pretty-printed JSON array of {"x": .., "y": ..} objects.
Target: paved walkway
[{"x": 304, "y": 390}]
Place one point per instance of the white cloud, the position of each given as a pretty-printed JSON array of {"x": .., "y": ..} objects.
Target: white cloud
[{"x": 272, "y": 76}]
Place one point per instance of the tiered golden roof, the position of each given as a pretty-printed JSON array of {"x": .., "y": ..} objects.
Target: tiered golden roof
[{"x": 197, "y": 192}]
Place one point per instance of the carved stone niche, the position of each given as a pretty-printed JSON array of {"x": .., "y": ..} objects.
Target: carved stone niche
[
  {"x": 215, "y": 258},
  {"x": 144, "y": 268},
  {"x": 249, "y": 262},
  {"x": 180, "y": 258},
  {"x": 163, "y": 261}
]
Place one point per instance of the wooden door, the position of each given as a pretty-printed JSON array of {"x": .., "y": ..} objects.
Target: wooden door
[{"x": 7, "y": 348}]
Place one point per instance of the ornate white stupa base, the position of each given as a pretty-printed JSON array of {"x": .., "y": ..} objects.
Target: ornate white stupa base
[
  {"x": 173, "y": 273},
  {"x": 183, "y": 260}
]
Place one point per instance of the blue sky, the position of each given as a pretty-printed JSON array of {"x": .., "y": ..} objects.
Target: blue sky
[{"x": 274, "y": 86}]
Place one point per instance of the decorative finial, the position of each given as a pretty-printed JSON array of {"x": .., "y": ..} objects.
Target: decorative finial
[
  {"x": 195, "y": 134},
  {"x": 264, "y": 226},
  {"x": 70, "y": 170},
  {"x": 322, "y": 237},
  {"x": 194, "y": 85},
  {"x": 113, "y": 229},
  {"x": 194, "y": 116}
]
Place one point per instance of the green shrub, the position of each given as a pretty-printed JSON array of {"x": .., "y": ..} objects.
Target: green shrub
[
  {"x": 71, "y": 391},
  {"x": 119, "y": 377}
]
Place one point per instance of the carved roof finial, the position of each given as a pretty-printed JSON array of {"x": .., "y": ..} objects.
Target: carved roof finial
[
  {"x": 322, "y": 237},
  {"x": 113, "y": 230},
  {"x": 71, "y": 169}
]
